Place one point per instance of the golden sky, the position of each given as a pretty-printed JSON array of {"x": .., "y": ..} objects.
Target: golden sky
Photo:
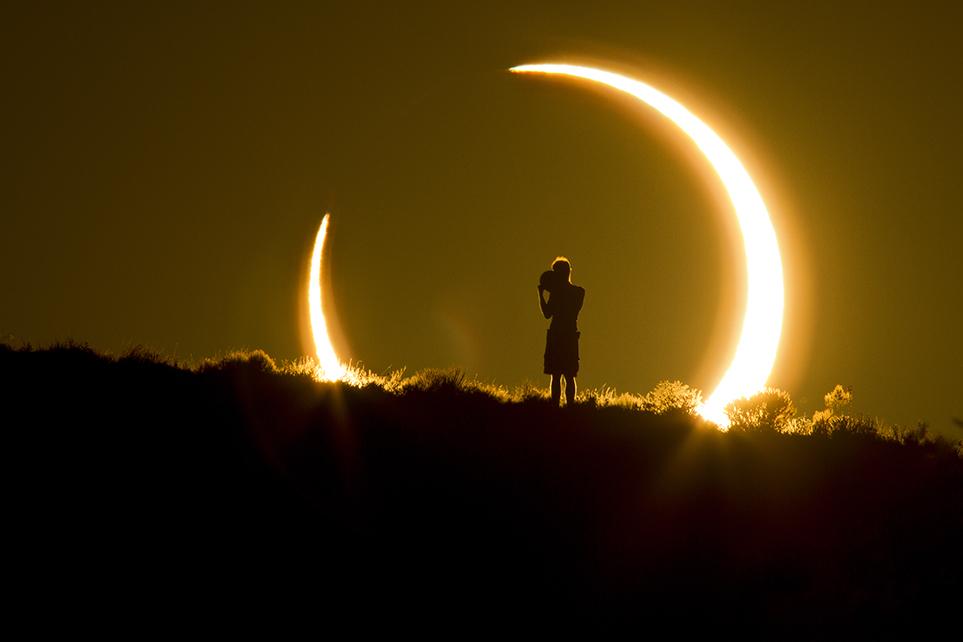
[{"x": 165, "y": 169}]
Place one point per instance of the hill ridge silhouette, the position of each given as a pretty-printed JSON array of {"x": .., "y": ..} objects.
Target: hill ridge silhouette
[{"x": 252, "y": 479}]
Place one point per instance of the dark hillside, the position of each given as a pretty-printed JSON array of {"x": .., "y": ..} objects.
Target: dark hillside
[{"x": 445, "y": 503}]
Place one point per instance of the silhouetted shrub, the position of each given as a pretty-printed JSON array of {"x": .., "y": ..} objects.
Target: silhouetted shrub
[
  {"x": 434, "y": 380},
  {"x": 769, "y": 411},
  {"x": 798, "y": 425},
  {"x": 608, "y": 397},
  {"x": 918, "y": 434},
  {"x": 854, "y": 426},
  {"x": 250, "y": 360},
  {"x": 830, "y": 420},
  {"x": 141, "y": 355},
  {"x": 671, "y": 395},
  {"x": 528, "y": 392},
  {"x": 74, "y": 348},
  {"x": 838, "y": 398}
]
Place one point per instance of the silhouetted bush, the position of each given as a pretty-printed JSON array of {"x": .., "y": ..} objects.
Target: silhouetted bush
[
  {"x": 831, "y": 421},
  {"x": 769, "y": 411},
  {"x": 434, "y": 380},
  {"x": 671, "y": 395},
  {"x": 256, "y": 360},
  {"x": 838, "y": 398},
  {"x": 143, "y": 355},
  {"x": 918, "y": 434},
  {"x": 530, "y": 392}
]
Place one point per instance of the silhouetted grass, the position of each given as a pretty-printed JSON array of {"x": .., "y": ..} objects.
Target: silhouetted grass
[{"x": 437, "y": 497}]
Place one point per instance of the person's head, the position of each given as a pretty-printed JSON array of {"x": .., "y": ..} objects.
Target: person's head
[
  {"x": 563, "y": 268},
  {"x": 548, "y": 280}
]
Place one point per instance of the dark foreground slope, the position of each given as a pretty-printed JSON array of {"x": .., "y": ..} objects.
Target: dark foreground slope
[{"x": 148, "y": 488}]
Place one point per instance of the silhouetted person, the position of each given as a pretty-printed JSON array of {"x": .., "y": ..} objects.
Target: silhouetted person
[{"x": 561, "y": 342}]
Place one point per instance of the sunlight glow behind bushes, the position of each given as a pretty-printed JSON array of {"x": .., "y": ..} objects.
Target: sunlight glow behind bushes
[{"x": 770, "y": 412}]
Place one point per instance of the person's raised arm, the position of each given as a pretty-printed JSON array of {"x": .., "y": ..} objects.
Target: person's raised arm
[{"x": 545, "y": 307}]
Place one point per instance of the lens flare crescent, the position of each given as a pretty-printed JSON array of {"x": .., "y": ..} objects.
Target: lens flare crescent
[{"x": 762, "y": 322}]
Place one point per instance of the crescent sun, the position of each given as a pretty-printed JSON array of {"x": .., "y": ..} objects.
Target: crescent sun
[
  {"x": 765, "y": 299},
  {"x": 329, "y": 366},
  {"x": 762, "y": 322}
]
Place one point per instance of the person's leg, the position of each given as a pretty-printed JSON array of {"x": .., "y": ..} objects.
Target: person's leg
[
  {"x": 570, "y": 389},
  {"x": 556, "y": 389}
]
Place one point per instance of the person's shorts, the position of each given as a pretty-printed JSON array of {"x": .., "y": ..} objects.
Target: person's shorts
[{"x": 561, "y": 352}]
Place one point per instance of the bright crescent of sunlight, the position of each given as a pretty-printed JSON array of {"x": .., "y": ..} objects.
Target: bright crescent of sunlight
[
  {"x": 330, "y": 367},
  {"x": 762, "y": 323}
]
